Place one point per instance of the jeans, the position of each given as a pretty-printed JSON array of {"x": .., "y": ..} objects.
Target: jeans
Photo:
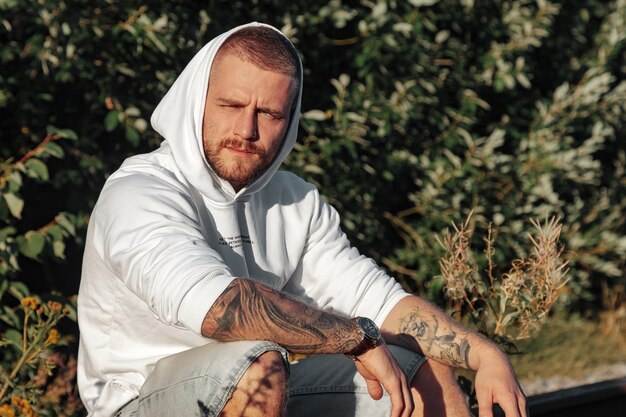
[{"x": 199, "y": 382}]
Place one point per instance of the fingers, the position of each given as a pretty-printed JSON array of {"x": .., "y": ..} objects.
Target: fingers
[
  {"x": 496, "y": 383},
  {"x": 522, "y": 404},
  {"x": 522, "y": 407},
  {"x": 484, "y": 404},
  {"x": 408, "y": 399},
  {"x": 374, "y": 388},
  {"x": 516, "y": 406},
  {"x": 400, "y": 395},
  {"x": 513, "y": 406},
  {"x": 380, "y": 370},
  {"x": 390, "y": 383}
]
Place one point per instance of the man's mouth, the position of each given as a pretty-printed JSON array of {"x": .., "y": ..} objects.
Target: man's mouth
[{"x": 240, "y": 147}]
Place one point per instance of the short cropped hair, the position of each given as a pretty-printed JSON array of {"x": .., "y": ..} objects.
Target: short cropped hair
[{"x": 266, "y": 48}]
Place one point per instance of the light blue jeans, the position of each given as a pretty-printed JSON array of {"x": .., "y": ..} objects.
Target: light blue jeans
[{"x": 199, "y": 382}]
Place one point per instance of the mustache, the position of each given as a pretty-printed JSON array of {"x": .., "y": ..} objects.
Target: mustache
[{"x": 241, "y": 145}]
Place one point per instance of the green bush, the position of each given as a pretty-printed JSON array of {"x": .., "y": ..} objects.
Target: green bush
[
  {"x": 416, "y": 112},
  {"x": 36, "y": 376},
  {"x": 512, "y": 109}
]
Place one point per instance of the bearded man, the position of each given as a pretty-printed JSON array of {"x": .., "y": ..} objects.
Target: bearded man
[{"x": 205, "y": 266}]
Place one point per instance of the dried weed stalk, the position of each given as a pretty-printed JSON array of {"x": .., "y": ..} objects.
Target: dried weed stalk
[
  {"x": 613, "y": 316},
  {"x": 515, "y": 305}
]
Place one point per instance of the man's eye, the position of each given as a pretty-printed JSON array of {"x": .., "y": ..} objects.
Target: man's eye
[
  {"x": 269, "y": 115},
  {"x": 228, "y": 106}
]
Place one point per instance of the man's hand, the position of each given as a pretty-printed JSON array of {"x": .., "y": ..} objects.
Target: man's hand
[
  {"x": 381, "y": 370},
  {"x": 419, "y": 325},
  {"x": 496, "y": 383},
  {"x": 248, "y": 310}
]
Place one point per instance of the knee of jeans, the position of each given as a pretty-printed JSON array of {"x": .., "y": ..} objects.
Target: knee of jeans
[
  {"x": 270, "y": 370},
  {"x": 271, "y": 363}
]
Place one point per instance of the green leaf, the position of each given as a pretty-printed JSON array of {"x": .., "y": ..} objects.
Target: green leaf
[
  {"x": 14, "y": 337},
  {"x": 71, "y": 312},
  {"x": 53, "y": 149},
  {"x": 498, "y": 85},
  {"x": 56, "y": 232},
  {"x": 62, "y": 133},
  {"x": 58, "y": 247},
  {"x": 4, "y": 95},
  {"x": 36, "y": 169},
  {"x": 31, "y": 244},
  {"x": 67, "y": 134},
  {"x": 419, "y": 3},
  {"x": 9, "y": 317},
  {"x": 46, "y": 97},
  {"x": 4, "y": 286},
  {"x": 13, "y": 262},
  {"x": 111, "y": 120},
  {"x": 15, "y": 204},
  {"x": 8, "y": 4},
  {"x": 317, "y": 115},
  {"x": 6, "y": 232},
  {"x": 14, "y": 181},
  {"x": 19, "y": 290},
  {"x": 132, "y": 135},
  {"x": 64, "y": 222}
]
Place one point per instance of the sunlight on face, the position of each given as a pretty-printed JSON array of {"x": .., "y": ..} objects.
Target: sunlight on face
[{"x": 245, "y": 118}]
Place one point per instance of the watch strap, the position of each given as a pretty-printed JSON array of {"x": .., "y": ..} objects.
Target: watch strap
[{"x": 364, "y": 345}]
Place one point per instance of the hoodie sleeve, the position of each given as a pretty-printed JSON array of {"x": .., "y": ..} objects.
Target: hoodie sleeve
[
  {"x": 336, "y": 277},
  {"x": 146, "y": 230}
]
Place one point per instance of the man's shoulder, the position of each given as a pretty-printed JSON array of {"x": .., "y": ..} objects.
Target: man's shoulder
[
  {"x": 142, "y": 181},
  {"x": 286, "y": 184},
  {"x": 146, "y": 171},
  {"x": 289, "y": 179}
]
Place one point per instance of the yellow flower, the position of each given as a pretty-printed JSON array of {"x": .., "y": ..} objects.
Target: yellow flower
[
  {"x": 29, "y": 302},
  {"x": 6, "y": 411},
  {"x": 53, "y": 337},
  {"x": 23, "y": 406},
  {"x": 54, "y": 306},
  {"x": 20, "y": 403}
]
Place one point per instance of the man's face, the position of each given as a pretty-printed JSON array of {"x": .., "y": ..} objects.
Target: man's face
[{"x": 245, "y": 119}]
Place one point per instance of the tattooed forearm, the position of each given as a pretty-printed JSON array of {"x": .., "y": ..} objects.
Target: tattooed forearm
[
  {"x": 248, "y": 310},
  {"x": 436, "y": 337}
]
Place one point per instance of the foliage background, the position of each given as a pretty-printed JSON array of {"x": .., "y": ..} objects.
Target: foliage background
[{"x": 415, "y": 113}]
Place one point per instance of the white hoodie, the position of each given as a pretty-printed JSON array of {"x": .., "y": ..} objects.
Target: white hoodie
[{"x": 167, "y": 236}]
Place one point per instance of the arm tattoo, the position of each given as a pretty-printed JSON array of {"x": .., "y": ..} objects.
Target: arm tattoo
[
  {"x": 248, "y": 310},
  {"x": 436, "y": 338}
]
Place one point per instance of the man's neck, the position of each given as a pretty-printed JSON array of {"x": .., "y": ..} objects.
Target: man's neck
[{"x": 237, "y": 186}]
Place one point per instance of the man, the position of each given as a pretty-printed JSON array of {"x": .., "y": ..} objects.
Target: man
[{"x": 204, "y": 266}]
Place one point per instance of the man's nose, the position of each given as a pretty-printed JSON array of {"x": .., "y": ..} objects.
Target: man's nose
[{"x": 246, "y": 126}]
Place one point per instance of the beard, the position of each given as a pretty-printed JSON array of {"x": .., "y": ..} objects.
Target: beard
[{"x": 239, "y": 171}]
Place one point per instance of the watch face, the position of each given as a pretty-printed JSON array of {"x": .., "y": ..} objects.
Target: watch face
[{"x": 369, "y": 328}]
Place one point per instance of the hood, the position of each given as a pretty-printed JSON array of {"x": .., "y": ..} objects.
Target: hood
[{"x": 178, "y": 118}]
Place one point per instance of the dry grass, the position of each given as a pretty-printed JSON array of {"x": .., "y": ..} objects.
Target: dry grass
[
  {"x": 568, "y": 351},
  {"x": 570, "y": 347},
  {"x": 514, "y": 305},
  {"x": 613, "y": 316}
]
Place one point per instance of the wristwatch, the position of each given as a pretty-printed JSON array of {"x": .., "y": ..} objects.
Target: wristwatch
[{"x": 371, "y": 337}]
